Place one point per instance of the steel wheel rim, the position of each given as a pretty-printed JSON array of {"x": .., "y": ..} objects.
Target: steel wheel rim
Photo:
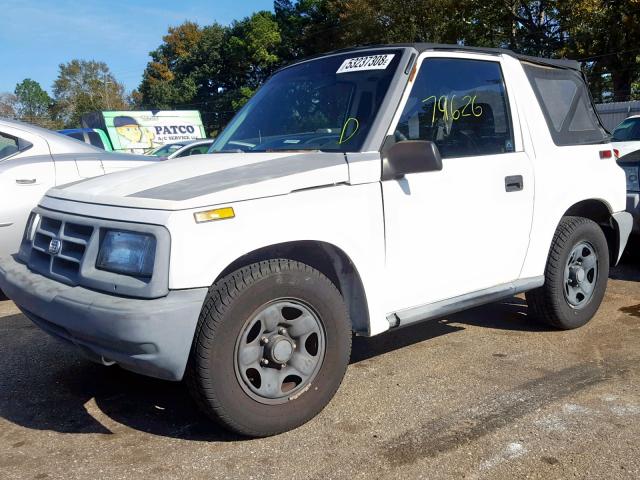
[
  {"x": 279, "y": 351},
  {"x": 580, "y": 275}
]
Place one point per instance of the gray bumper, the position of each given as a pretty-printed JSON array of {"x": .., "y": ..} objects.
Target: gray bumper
[
  {"x": 151, "y": 337},
  {"x": 633, "y": 207}
]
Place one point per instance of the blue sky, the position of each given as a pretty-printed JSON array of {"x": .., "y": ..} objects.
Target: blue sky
[{"x": 36, "y": 36}]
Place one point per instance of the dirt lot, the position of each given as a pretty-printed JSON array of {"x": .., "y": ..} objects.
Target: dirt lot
[{"x": 483, "y": 394}]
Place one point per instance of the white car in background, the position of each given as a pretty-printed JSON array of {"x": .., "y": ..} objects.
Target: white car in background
[
  {"x": 182, "y": 149},
  {"x": 626, "y": 136},
  {"x": 33, "y": 159}
]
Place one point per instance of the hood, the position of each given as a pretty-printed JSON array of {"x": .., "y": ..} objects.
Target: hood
[{"x": 204, "y": 180}]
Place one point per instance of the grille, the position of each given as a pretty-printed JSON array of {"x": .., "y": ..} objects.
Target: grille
[{"x": 63, "y": 264}]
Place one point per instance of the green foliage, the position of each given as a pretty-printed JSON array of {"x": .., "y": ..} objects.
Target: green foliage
[
  {"x": 32, "y": 102},
  {"x": 606, "y": 34},
  {"x": 213, "y": 69},
  {"x": 85, "y": 86},
  {"x": 216, "y": 69}
]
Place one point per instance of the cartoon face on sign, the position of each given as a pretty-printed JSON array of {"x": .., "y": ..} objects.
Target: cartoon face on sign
[{"x": 135, "y": 135}]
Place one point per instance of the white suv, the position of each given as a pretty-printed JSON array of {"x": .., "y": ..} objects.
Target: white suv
[{"x": 360, "y": 191}]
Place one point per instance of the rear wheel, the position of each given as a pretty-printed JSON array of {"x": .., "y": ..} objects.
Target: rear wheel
[
  {"x": 575, "y": 275},
  {"x": 272, "y": 345}
]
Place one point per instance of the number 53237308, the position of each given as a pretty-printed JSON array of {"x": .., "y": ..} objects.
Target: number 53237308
[{"x": 445, "y": 104}]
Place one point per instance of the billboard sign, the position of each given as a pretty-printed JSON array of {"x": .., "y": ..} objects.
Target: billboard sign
[{"x": 139, "y": 131}]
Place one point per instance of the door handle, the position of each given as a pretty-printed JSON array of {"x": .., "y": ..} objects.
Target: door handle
[
  {"x": 514, "y": 183},
  {"x": 25, "y": 181}
]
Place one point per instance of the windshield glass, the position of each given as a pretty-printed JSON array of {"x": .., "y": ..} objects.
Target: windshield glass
[
  {"x": 627, "y": 130},
  {"x": 165, "y": 150},
  {"x": 324, "y": 104}
]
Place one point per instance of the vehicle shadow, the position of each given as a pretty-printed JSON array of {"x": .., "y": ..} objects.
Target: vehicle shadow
[
  {"x": 509, "y": 314},
  {"x": 628, "y": 269},
  {"x": 46, "y": 385}
]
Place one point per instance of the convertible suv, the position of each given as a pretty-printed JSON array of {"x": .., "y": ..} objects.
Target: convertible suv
[{"x": 360, "y": 191}]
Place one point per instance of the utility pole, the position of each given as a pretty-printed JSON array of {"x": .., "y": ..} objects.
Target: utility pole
[{"x": 106, "y": 91}]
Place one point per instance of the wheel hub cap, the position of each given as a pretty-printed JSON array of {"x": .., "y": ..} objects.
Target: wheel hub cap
[
  {"x": 279, "y": 351},
  {"x": 580, "y": 275}
]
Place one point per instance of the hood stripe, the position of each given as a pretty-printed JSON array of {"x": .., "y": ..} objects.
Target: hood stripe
[{"x": 209, "y": 183}]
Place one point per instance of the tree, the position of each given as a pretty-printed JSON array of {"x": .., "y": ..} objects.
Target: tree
[
  {"x": 605, "y": 34},
  {"x": 308, "y": 27},
  {"x": 214, "y": 69},
  {"x": 185, "y": 71},
  {"x": 32, "y": 102},
  {"x": 381, "y": 21},
  {"x": 168, "y": 79},
  {"x": 85, "y": 86},
  {"x": 8, "y": 105}
]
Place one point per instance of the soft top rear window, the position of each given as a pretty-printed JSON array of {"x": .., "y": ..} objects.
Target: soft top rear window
[{"x": 566, "y": 105}]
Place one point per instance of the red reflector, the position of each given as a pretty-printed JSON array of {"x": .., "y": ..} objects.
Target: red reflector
[
  {"x": 616, "y": 152},
  {"x": 606, "y": 154}
]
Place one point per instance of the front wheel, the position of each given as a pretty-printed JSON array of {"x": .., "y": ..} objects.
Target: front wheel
[
  {"x": 575, "y": 275},
  {"x": 271, "y": 347}
]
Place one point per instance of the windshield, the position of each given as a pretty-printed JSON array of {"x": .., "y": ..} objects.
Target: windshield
[
  {"x": 627, "y": 130},
  {"x": 165, "y": 150},
  {"x": 324, "y": 104}
]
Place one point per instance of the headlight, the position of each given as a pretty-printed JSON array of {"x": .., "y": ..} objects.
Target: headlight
[
  {"x": 633, "y": 183},
  {"x": 129, "y": 253}
]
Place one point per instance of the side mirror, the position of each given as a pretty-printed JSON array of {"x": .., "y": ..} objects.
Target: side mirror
[{"x": 410, "y": 156}]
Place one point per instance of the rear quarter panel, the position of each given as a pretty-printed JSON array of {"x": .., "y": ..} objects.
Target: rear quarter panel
[{"x": 565, "y": 175}]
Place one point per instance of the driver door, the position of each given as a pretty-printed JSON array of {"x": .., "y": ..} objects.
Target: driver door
[{"x": 465, "y": 228}]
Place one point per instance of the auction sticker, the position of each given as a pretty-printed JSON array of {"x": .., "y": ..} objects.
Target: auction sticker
[{"x": 371, "y": 62}]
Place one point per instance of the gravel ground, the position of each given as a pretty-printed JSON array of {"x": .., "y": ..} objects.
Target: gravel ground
[{"x": 487, "y": 393}]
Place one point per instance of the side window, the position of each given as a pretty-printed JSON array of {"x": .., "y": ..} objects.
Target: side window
[
  {"x": 200, "y": 149},
  {"x": 95, "y": 139},
  {"x": 77, "y": 136},
  {"x": 566, "y": 105},
  {"x": 10, "y": 145},
  {"x": 196, "y": 150},
  {"x": 460, "y": 105}
]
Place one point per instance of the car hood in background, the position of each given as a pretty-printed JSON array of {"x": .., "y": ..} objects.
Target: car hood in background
[
  {"x": 626, "y": 148},
  {"x": 213, "y": 179}
]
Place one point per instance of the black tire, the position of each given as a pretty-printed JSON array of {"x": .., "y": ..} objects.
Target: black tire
[
  {"x": 549, "y": 303},
  {"x": 211, "y": 373}
]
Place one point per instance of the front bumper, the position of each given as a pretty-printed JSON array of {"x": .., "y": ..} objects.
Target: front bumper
[
  {"x": 151, "y": 337},
  {"x": 633, "y": 207}
]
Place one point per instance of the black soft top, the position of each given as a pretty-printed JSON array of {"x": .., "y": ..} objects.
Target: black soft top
[{"x": 423, "y": 47}]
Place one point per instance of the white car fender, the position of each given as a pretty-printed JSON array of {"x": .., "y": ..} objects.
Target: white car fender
[{"x": 332, "y": 215}]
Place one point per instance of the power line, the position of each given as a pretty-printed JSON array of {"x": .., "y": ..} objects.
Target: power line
[{"x": 610, "y": 54}]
